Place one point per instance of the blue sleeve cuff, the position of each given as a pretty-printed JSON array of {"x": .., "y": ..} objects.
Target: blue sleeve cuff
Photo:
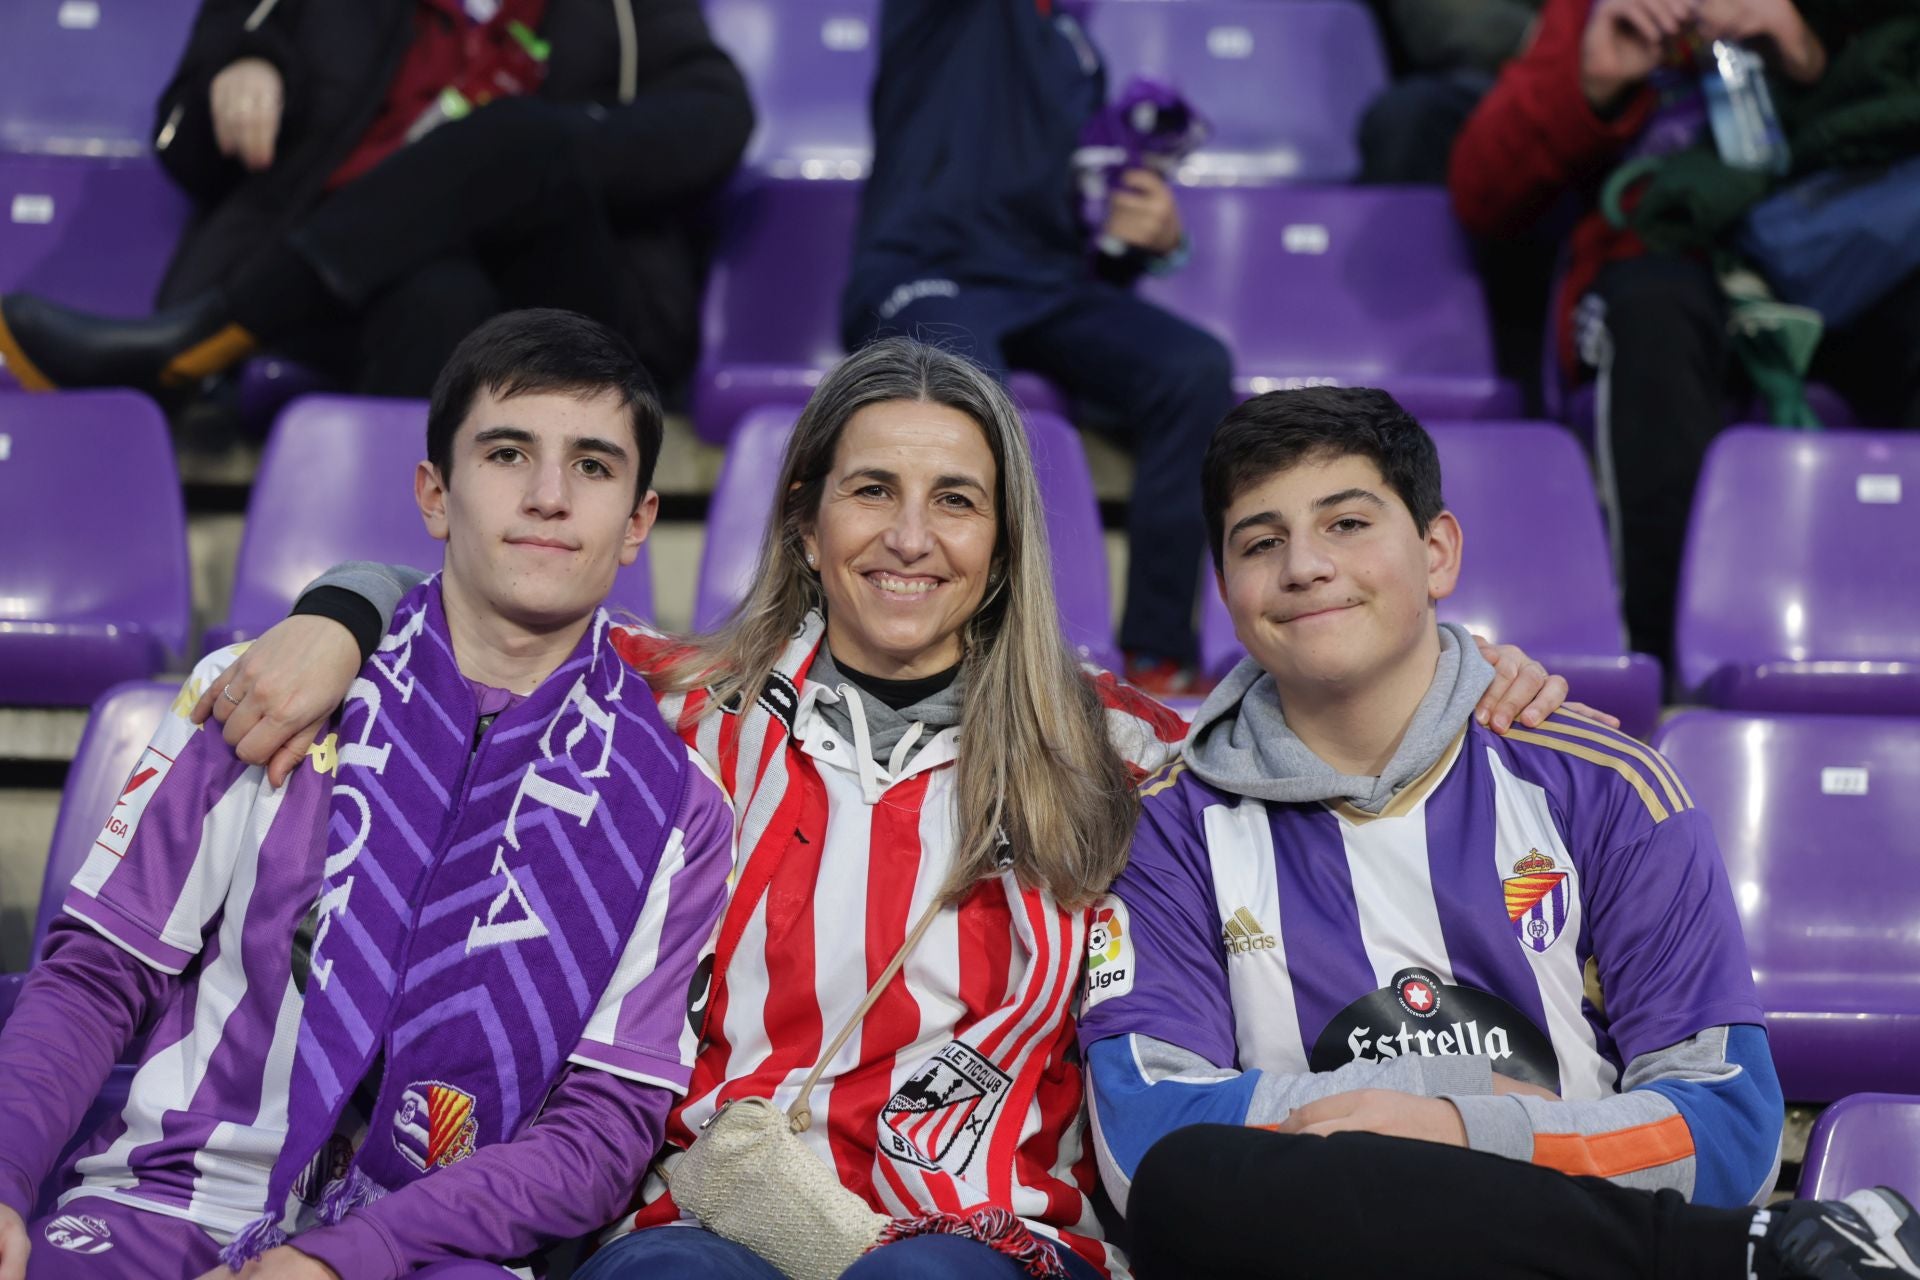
[
  {"x": 1136, "y": 1112},
  {"x": 1735, "y": 1121}
]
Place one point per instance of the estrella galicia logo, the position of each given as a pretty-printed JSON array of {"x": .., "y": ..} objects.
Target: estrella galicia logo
[{"x": 1416, "y": 1013}]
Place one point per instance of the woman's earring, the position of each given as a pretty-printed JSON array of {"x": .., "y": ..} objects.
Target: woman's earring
[{"x": 810, "y": 560}]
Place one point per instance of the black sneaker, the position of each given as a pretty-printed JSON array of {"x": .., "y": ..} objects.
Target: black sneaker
[{"x": 1870, "y": 1235}]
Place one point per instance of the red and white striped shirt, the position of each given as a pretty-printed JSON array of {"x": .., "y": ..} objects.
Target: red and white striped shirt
[{"x": 960, "y": 1088}]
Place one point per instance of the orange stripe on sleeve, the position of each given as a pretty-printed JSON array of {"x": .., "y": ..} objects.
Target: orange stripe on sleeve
[{"x": 1608, "y": 1155}]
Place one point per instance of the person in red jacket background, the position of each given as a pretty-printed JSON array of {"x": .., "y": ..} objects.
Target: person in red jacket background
[{"x": 1602, "y": 81}]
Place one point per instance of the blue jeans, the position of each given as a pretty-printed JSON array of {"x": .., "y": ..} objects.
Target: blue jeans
[{"x": 689, "y": 1253}]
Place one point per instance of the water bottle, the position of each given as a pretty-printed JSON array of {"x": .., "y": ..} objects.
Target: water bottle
[{"x": 1746, "y": 128}]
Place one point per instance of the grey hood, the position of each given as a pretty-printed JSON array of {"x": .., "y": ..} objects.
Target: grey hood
[{"x": 1241, "y": 743}]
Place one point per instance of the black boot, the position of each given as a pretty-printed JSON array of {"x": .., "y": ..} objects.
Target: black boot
[{"x": 47, "y": 345}]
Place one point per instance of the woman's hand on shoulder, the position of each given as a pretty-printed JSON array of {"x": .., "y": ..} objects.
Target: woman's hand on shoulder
[
  {"x": 278, "y": 694},
  {"x": 1525, "y": 692}
]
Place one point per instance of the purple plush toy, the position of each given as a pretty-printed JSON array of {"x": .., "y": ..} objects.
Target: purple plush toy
[{"x": 1150, "y": 125}]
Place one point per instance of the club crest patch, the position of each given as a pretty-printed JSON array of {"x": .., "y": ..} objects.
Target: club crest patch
[
  {"x": 940, "y": 1114},
  {"x": 79, "y": 1233},
  {"x": 1538, "y": 895},
  {"x": 435, "y": 1125},
  {"x": 1109, "y": 952}
]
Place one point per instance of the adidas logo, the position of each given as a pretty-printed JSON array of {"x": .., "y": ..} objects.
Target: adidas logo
[{"x": 1242, "y": 934}]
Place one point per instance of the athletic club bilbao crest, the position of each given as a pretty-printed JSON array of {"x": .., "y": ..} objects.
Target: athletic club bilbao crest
[
  {"x": 1538, "y": 895},
  {"x": 79, "y": 1233},
  {"x": 434, "y": 1126},
  {"x": 940, "y": 1114}
]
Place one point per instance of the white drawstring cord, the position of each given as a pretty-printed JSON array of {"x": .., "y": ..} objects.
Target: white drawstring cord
[{"x": 862, "y": 745}]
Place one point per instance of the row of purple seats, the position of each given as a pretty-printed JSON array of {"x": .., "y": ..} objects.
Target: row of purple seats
[
  {"x": 749, "y": 483},
  {"x": 80, "y": 77},
  {"x": 1816, "y": 817},
  {"x": 1864, "y": 1140},
  {"x": 1284, "y": 85},
  {"x": 1800, "y": 588},
  {"x": 94, "y": 585},
  {"x": 1536, "y": 569},
  {"x": 336, "y": 483},
  {"x": 1307, "y": 285}
]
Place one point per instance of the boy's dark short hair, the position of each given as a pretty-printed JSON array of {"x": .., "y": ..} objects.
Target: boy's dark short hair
[
  {"x": 1281, "y": 429},
  {"x": 543, "y": 349}
]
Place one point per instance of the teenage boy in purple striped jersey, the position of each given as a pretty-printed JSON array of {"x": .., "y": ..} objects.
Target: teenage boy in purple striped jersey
[
  {"x": 1355, "y": 915},
  {"x": 423, "y": 1009}
]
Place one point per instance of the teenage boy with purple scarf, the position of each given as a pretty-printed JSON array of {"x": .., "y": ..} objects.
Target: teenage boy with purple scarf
[{"x": 424, "y": 1007}]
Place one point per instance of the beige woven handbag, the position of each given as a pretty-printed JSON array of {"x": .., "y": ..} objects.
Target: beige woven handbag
[{"x": 750, "y": 1179}]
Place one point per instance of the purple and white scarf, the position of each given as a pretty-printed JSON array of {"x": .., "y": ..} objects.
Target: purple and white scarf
[{"x": 474, "y": 903}]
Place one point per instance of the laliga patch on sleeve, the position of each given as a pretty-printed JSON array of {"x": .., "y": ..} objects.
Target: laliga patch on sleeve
[
  {"x": 139, "y": 788},
  {"x": 1109, "y": 952}
]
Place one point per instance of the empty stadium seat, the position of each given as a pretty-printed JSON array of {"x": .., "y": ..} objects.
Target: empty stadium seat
[
  {"x": 772, "y": 310},
  {"x": 336, "y": 483},
  {"x": 1798, "y": 590},
  {"x": 809, "y": 65},
  {"x": 94, "y": 234},
  {"x": 94, "y": 585},
  {"x": 122, "y": 721},
  {"x": 1536, "y": 570},
  {"x": 1342, "y": 286},
  {"x": 1815, "y": 817},
  {"x": 1864, "y": 1140},
  {"x": 80, "y": 77},
  {"x": 745, "y": 492},
  {"x": 1284, "y": 85}
]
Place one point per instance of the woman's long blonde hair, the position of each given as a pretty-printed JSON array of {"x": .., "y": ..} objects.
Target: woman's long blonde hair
[{"x": 1036, "y": 764}]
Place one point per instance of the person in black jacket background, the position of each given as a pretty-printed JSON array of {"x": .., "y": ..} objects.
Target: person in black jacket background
[
  {"x": 971, "y": 235},
  {"x": 374, "y": 178}
]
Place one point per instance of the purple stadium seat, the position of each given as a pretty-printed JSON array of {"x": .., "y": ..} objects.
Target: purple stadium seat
[
  {"x": 1577, "y": 409},
  {"x": 94, "y": 585},
  {"x": 1864, "y": 1140},
  {"x": 336, "y": 483},
  {"x": 122, "y": 721},
  {"x": 1284, "y": 85},
  {"x": 1815, "y": 817},
  {"x": 80, "y": 77},
  {"x": 809, "y": 65},
  {"x": 1798, "y": 591},
  {"x": 1348, "y": 286},
  {"x": 772, "y": 317},
  {"x": 744, "y": 495},
  {"x": 89, "y": 233},
  {"x": 1536, "y": 569}
]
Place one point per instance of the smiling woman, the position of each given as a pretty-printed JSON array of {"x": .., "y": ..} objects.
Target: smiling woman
[{"x": 910, "y": 525}]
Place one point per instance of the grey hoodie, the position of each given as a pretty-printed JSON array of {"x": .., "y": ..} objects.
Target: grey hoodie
[{"x": 1241, "y": 743}]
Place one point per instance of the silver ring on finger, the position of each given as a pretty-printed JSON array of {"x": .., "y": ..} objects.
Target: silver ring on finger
[{"x": 228, "y": 695}]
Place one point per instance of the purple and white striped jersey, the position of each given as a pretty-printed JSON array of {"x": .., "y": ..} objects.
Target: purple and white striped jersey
[
  {"x": 178, "y": 880},
  {"x": 1550, "y": 900}
]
